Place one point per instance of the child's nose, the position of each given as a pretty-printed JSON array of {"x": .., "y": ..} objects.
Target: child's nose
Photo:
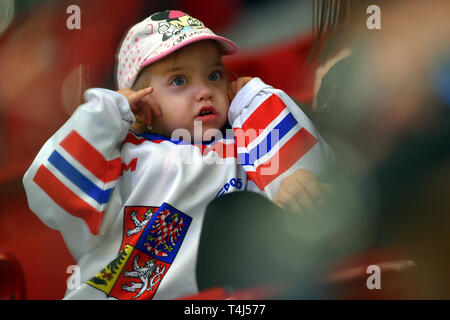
[{"x": 204, "y": 92}]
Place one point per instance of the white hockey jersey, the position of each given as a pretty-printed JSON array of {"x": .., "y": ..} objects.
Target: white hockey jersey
[{"x": 130, "y": 207}]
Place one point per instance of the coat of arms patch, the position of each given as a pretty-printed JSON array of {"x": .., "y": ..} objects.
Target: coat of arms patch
[{"x": 152, "y": 237}]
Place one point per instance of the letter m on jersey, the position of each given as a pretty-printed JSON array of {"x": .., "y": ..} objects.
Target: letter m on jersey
[{"x": 130, "y": 166}]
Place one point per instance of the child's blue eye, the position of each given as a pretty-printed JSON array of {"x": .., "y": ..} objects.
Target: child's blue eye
[
  {"x": 179, "y": 81},
  {"x": 214, "y": 76}
]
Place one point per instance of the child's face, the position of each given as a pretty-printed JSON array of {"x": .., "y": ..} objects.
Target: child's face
[{"x": 190, "y": 85}]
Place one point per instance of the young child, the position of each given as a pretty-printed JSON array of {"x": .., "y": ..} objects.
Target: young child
[{"x": 130, "y": 204}]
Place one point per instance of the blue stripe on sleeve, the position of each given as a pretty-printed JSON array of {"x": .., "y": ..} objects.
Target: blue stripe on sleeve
[
  {"x": 271, "y": 139},
  {"x": 75, "y": 176}
]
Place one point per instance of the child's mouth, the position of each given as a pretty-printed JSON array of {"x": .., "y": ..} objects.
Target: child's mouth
[{"x": 207, "y": 113}]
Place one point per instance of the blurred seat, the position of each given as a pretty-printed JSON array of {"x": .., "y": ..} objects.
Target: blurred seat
[
  {"x": 349, "y": 277},
  {"x": 12, "y": 281}
]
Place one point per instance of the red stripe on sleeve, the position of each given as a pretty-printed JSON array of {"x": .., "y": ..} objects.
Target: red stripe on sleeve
[
  {"x": 91, "y": 158},
  {"x": 67, "y": 199},
  {"x": 289, "y": 154},
  {"x": 263, "y": 116}
]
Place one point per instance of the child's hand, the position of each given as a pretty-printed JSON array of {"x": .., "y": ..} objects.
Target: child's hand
[
  {"x": 237, "y": 85},
  {"x": 141, "y": 106},
  {"x": 302, "y": 192}
]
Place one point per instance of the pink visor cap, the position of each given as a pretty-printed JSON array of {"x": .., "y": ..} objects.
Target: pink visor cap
[{"x": 158, "y": 36}]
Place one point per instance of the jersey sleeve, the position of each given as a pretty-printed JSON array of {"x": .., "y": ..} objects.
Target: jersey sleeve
[
  {"x": 71, "y": 183},
  {"x": 274, "y": 137}
]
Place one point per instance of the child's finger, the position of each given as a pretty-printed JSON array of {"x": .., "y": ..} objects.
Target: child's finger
[
  {"x": 310, "y": 183},
  {"x": 136, "y": 96},
  {"x": 294, "y": 206},
  {"x": 284, "y": 200},
  {"x": 314, "y": 189},
  {"x": 297, "y": 199},
  {"x": 303, "y": 198}
]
